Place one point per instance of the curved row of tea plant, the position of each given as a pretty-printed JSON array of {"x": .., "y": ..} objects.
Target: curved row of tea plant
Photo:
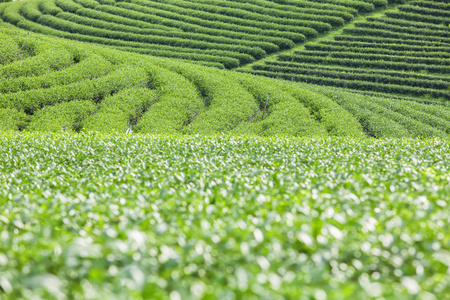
[
  {"x": 91, "y": 216},
  {"x": 50, "y": 84},
  {"x": 405, "y": 52},
  {"x": 224, "y": 33}
]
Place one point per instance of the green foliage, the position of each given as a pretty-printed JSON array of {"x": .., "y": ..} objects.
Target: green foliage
[
  {"x": 285, "y": 116},
  {"x": 178, "y": 105},
  {"x": 169, "y": 28},
  {"x": 403, "y": 44},
  {"x": 12, "y": 120},
  {"x": 351, "y": 76},
  {"x": 97, "y": 89},
  {"x": 118, "y": 112},
  {"x": 62, "y": 116},
  {"x": 261, "y": 218},
  {"x": 366, "y": 61},
  {"x": 356, "y": 83},
  {"x": 9, "y": 50},
  {"x": 161, "y": 96},
  {"x": 427, "y": 11},
  {"x": 84, "y": 70},
  {"x": 336, "y": 120},
  {"x": 51, "y": 60},
  {"x": 374, "y": 123},
  {"x": 227, "y": 102}
]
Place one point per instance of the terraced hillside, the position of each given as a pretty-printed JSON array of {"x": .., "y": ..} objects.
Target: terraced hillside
[
  {"x": 51, "y": 84},
  {"x": 404, "y": 52},
  {"x": 221, "y": 33}
]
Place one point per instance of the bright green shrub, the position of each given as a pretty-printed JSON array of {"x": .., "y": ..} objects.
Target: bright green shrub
[
  {"x": 87, "y": 3},
  {"x": 122, "y": 78},
  {"x": 387, "y": 40},
  {"x": 68, "y": 5},
  {"x": 115, "y": 19},
  {"x": 436, "y": 110},
  {"x": 9, "y": 50},
  {"x": 31, "y": 10},
  {"x": 433, "y": 81},
  {"x": 378, "y": 3},
  {"x": 348, "y": 4},
  {"x": 211, "y": 55},
  {"x": 130, "y": 46},
  {"x": 269, "y": 8},
  {"x": 385, "y": 44},
  {"x": 357, "y": 84},
  {"x": 49, "y": 61},
  {"x": 92, "y": 67},
  {"x": 138, "y": 33},
  {"x": 284, "y": 116},
  {"x": 395, "y": 35},
  {"x": 227, "y": 102},
  {"x": 375, "y": 79},
  {"x": 336, "y": 120},
  {"x": 12, "y": 119},
  {"x": 375, "y": 124},
  {"x": 409, "y": 30},
  {"x": 49, "y": 7},
  {"x": 378, "y": 108},
  {"x": 63, "y": 116},
  {"x": 376, "y": 49},
  {"x": 287, "y": 118},
  {"x": 178, "y": 105},
  {"x": 242, "y": 17},
  {"x": 196, "y": 24},
  {"x": 444, "y": 14},
  {"x": 118, "y": 112},
  {"x": 72, "y": 27},
  {"x": 366, "y": 63},
  {"x": 414, "y": 127},
  {"x": 417, "y": 114},
  {"x": 10, "y": 13}
]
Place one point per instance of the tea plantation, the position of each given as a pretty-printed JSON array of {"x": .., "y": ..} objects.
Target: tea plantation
[
  {"x": 133, "y": 165},
  {"x": 90, "y": 216},
  {"x": 219, "y": 32},
  {"x": 51, "y": 84},
  {"x": 406, "y": 51}
]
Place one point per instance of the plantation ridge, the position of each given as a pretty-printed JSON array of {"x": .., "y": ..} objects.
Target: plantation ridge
[
  {"x": 394, "y": 47},
  {"x": 54, "y": 84},
  {"x": 225, "y": 149}
]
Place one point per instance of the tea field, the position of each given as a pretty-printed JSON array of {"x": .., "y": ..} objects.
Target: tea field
[
  {"x": 53, "y": 84},
  {"x": 133, "y": 166},
  {"x": 223, "y": 33},
  {"x": 385, "y": 47},
  {"x": 406, "y": 51},
  {"x": 92, "y": 216}
]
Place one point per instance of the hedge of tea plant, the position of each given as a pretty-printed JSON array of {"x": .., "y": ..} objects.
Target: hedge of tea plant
[
  {"x": 51, "y": 84},
  {"x": 404, "y": 52},
  {"x": 217, "y": 31},
  {"x": 92, "y": 216}
]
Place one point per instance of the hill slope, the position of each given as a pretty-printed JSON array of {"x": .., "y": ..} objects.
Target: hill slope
[
  {"x": 219, "y": 32},
  {"x": 52, "y": 84},
  {"x": 398, "y": 50},
  {"x": 404, "y": 52}
]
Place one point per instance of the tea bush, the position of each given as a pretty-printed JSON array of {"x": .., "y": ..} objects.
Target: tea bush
[{"x": 82, "y": 214}]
